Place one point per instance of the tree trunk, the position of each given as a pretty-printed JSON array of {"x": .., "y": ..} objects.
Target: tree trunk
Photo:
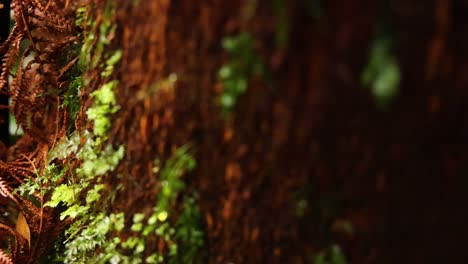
[{"x": 298, "y": 159}]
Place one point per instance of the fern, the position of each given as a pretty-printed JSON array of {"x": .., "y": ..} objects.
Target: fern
[{"x": 4, "y": 258}]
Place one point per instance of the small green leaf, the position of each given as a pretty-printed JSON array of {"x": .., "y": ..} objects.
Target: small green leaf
[
  {"x": 140, "y": 247},
  {"x": 162, "y": 216},
  {"x": 119, "y": 221},
  {"x": 63, "y": 193},
  {"x": 225, "y": 72},
  {"x": 227, "y": 101},
  {"x": 137, "y": 218},
  {"x": 74, "y": 211},
  {"x": 153, "y": 219},
  {"x": 93, "y": 194},
  {"x": 137, "y": 227}
]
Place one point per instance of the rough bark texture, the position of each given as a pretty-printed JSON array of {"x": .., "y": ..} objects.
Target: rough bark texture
[{"x": 398, "y": 174}]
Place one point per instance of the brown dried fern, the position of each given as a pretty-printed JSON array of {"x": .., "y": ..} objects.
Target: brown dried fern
[
  {"x": 45, "y": 29},
  {"x": 5, "y": 258},
  {"x": 6, "y": 192}
]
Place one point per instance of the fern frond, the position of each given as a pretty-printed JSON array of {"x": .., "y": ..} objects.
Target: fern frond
[
  {"x": 5, "y": 190},
  {"x": 5, "y": 258}
]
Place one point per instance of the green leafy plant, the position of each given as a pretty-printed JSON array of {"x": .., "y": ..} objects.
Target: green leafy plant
[
  {"x": 184, "y": 239},
  {"x": 332, "y": 255},
  {"x": 82, "y": 193},
  {"x": 189, "y": 233},
  {"x": 235, "y": 74},
  {"x": 104, "y": 105},
  {"x": 382, "y": 73},
  {"x": 98, "y": 232}
]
